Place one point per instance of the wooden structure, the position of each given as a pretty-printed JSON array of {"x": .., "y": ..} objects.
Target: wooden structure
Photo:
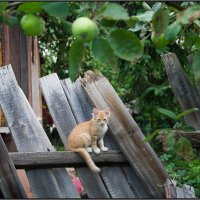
[
  {"x": 130, "y": 169},
  {"x": 186, "y": 93}
]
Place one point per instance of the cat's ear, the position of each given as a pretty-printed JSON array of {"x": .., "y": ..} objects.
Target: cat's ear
[
  {"x": 94, "y": 111},
  {"x": 107, "y": 111}
]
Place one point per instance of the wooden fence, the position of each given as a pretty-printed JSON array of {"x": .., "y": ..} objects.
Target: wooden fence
[{"x": 130, "y": 169}]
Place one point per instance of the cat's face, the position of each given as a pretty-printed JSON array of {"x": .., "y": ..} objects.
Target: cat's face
[{"x": 101, "y": 117}]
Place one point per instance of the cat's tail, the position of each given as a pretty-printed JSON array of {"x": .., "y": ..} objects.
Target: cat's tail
[{"x": 86, "y": 156}]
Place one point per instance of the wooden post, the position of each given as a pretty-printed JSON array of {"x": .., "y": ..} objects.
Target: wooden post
[{"x": 186, "y": 94}]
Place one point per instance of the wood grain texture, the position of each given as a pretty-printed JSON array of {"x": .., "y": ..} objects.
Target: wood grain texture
[
  {"x": 63, "y": 159},
  {"x": 82, "y": 109},
  {"x": 127, "y": 134},
  {"x": 186, "y": 93},
  {"x": 64, "y": 120},
  {"x": 29, "y": 136},
  {"x": 10, "y": 184}
]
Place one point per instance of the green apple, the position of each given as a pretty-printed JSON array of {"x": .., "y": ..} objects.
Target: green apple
[
  {"x": 32, "y": 25},
  {"x": 159, "y": 40},
  {"x": 84, "y": 29}
]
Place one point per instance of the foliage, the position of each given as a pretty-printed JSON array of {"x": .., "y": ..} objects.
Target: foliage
[
  {"x": 123, "y": 29},
  {"x": 172, "y": 138},
  {"x": 182, "y": 171}
]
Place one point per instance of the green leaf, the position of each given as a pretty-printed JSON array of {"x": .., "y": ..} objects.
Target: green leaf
[
  {"x": 126, "y": 45},
  {"x": 145, "y": 17},
  {"x": 183, "y": 148},
  {"x": 67, "y": 26},
  {"x": 113, "y": 11},
  {"x": 172, "y": 31},
  {"x": 57, "y": 9},
  {"x": 160, "y": 21},
  {"x": 152, "y": 135},
  {"x": 11, "y": 20},
  {"x": 186, "y": 112},
  {"x": 31, "y": 7},
  {"x": 189, "y": 15},
  {"x": 170, "y": 141},
  {"x": 196, "y": 67},
  {"x": 76, "y": 56},
  {"x": 168, "y": 113},
  {"x": 3, "y": 6},
  {"x": 103, "y": 52},
  {"x": 146, "y": 6}
]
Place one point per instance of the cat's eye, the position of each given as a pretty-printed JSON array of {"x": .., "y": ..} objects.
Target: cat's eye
[
  {"x": 104, "y": 120},
  {"x": 98, "y": 120}
]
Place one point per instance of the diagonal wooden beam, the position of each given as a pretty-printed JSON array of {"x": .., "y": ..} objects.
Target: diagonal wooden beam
[{"x": 35, "y": 160}]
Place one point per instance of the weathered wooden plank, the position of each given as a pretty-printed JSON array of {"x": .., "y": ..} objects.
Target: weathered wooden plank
[
  {"x": 78, "y": 99},
  {"x": 63, "y": 159},
  {"x": 127, "y": 134},
  {"x": 10, "y": 184},
  {"x": 29, "y": 136},
  {"x": 64, "y": 120},
  {"x": 35, "y": 75},
  {"x": 136, "y": 185},
  {"x": 179, "y": 193},
  {"x": 186, "y": 94},
  {"x": 170, "y": 189},
  {"x": 188, "y": 191}
]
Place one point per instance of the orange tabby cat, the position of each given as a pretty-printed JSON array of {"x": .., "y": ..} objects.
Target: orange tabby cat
[{"x": 86, "y": 135}]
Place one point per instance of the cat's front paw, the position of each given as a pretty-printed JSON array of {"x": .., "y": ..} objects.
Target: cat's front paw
[
  {"x": 97, "y": 151},
  {"x": 89, "y": 149},
  {"x": 104, "y": 149}
]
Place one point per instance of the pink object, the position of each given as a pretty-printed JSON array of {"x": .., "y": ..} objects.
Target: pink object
[{"x": 77, "y": 184}]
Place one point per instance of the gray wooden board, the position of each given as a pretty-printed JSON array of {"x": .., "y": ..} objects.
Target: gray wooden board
[
  {"x": 181, "y": 85},
  {"x": 10, "y": 184},
  {"x": 188, "y": 191},
  {"x": 64, "y": 120},
  {"x": 62, "y": 159},
  {"x": 179, "y": 193},
  {"x": 29, "y": 136},
  {"x": 82, "y": 110},
  {"x": 77, "y": 96},
  {"x": 139, "y": 154}
]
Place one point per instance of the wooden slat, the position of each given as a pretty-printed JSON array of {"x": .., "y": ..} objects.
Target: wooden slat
[
  {"x": 181, "y": 86},
  {"x": 179, "y": 193},
  {"x": 188, "y": 191},
  {"x": 78, "y": 99},
  {"x": 170, "y": 189},
  {"x": 29, "y": 136},
  {"x": 10, "y": 184},
  {"x": 63, "y": 159},
  {"x": 127, "y": 134},
  {"x": 64, "y": 120},
  {"x": 35, "y": 75}
]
